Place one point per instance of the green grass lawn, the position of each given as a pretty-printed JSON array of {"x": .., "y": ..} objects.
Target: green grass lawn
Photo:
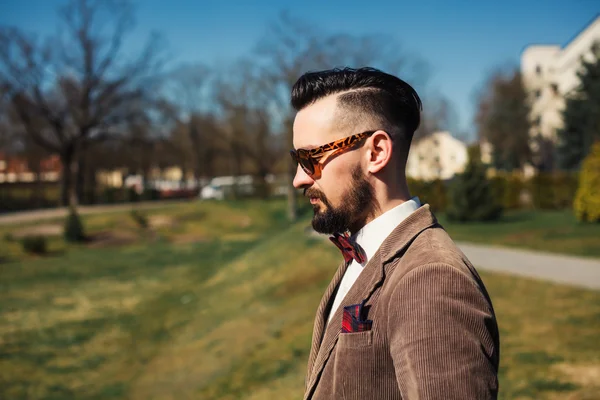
[
  {"x": 551, "y": 231},
  {"x": 217, "y": 301}
]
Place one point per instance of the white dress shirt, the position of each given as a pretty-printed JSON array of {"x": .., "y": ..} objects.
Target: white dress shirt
[{"x": 370, "y": 238}]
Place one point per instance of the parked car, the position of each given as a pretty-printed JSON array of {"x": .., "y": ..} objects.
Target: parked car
[{"x": 212, "y": 192}]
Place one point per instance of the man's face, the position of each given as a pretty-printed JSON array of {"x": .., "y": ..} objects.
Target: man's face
[{"x": 341, "y": 196}]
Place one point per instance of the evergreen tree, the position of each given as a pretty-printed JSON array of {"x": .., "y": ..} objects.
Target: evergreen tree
[
  {"x": 581, "y": 116},
  {"x": 73, "y": 227},
  {"x": 471, "y": 195}
]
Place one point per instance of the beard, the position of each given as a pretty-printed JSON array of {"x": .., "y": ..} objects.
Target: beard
[{"x": 358, "y": 204}]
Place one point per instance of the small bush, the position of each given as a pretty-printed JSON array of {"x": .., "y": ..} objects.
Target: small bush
[
  {"x": 132, "y": 195},
  {"x": 553, "y": 191},
  {"x": 8, "y": 237},
  {"x": 139, "y": 219},
  {"x": 433, "y": 193},
  {"x": 508, "y": 189},
  {"x": 35, "y": 244},
  {"x": 471, "y": 195},
  {"x": 111, "y": 195},
  {"x": 74, "y": 231},
  {"x": 587, "y": 198},
  {"x": 151, "y": 194}
]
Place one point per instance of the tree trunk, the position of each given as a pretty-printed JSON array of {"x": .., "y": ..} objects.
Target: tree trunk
[
  {"x": 291, "y": 172},
  {"x": 65, "y": 179},
  {"x": 292, "y": 199},
  {"x": 70, "y": 168},
  {"x": 73, "y": 199},
  {"x": 80, "y": 178}
]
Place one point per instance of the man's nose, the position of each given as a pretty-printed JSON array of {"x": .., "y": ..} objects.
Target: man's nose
[{"x": 301, "y": 179}]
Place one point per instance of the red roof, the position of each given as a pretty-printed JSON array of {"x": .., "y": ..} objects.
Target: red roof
[{"x": 16, "y": 164}]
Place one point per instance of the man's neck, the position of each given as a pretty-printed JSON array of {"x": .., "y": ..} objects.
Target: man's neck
[{"x": 379, "y": 209}]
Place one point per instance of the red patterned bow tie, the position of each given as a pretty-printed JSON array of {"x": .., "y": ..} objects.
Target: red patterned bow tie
[{"x": 350, "y": 249}]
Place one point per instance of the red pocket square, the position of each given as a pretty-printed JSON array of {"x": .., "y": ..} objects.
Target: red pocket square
[{"x": 352, "y": 320}]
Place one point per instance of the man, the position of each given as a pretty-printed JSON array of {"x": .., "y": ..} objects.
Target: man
[{"x": 406, "y": 316}]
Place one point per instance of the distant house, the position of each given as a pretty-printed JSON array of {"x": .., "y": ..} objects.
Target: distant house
[
  {"x": 438, "y": 156},
  {"x": 18, "y": 169}
]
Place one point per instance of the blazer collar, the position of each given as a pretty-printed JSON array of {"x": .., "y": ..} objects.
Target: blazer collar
[{"x": 325, "y": 335}]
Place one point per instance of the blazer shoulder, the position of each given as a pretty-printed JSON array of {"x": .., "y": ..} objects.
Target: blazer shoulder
[{"x": 432, "y": 246}]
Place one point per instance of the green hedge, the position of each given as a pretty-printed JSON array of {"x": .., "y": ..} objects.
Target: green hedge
[
  {"x": 554, "y": 191},
  {"x": 435, "y": 193},
  {"x": 509, "y": 189},
  {"x": 544, "y": 191}
]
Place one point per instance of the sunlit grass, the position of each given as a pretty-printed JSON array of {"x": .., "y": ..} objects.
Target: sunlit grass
[{"x": 218, "y": 301}]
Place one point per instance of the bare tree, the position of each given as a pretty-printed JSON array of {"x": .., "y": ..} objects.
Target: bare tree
[
  {"x": 502, "y": 119},
  {"x": 187, "y": 90},
  {"x": 78, "y": 87},
  {"x": 439, "y": 115},
  {"x": 292, "y": 47}
]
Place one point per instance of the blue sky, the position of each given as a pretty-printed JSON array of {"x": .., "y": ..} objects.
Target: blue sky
[{"x": 460, "y": 40}]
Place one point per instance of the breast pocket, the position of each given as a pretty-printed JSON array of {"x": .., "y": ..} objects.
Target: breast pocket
[
  {"x": 355, "y": 340},
  {"x": 354, "y": 365}
]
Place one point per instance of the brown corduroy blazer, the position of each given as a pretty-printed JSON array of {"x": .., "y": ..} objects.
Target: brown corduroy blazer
[{"x": 434, "y": 332}]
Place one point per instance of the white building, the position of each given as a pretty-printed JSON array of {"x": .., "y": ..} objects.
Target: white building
[
  {"x": 438, "y": 156},
  {"x": 550, "y": 73}
]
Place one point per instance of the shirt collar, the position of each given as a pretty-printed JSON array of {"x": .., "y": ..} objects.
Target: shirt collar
[{"x": 372, "y": 235}]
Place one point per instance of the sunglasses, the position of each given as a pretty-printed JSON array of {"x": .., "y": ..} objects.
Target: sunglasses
[{"x": 311, "y": 160}]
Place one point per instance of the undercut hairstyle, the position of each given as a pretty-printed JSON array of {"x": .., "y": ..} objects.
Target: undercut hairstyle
[{"x": 365, "y": 95}]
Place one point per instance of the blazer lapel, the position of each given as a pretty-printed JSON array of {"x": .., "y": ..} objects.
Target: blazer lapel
[
  {"x": 321, "y": 317},
  {"x": 362, "y": 289},
  {"x": 326, "y": 336}
]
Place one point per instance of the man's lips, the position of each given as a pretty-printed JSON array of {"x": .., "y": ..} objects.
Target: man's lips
[{"x": 314, "y": 200}]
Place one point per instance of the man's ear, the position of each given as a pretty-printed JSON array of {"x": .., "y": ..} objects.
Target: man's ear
[{"x": 379, "y": 151}]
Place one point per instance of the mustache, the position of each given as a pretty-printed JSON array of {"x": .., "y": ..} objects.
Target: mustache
[{"x": 312, "y": 192}]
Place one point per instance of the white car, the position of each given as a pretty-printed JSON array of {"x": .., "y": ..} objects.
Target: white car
[{"x": 212, "y": 192}]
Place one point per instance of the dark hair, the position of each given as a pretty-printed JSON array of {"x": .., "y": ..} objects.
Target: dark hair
[{"x": 385, "y": 97}]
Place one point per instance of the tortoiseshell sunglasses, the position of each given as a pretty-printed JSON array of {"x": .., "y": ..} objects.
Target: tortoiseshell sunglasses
[{"x": 310, "y": 160}]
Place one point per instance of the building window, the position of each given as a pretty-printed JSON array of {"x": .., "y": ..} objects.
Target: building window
[
  {"x": 554, "y": 88},
  {"x": 538, "y": 70},
  {"x": 537, "y": 94}
]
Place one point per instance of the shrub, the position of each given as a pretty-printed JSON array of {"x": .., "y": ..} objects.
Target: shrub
[
  {"x": 433, "y": 193},
  {"x": 139, "y": 219},
  {"x": 587, "y": 198},
  {"x": 35, "y": 244},
  {"x": 471, "y": 195},
  {"x": 508, "y": 190},
  {"x": 151, "y": 194},
  {"x": 132, "y": 195},
  {"x": 73, "y": 231},
  {"x": 553, "y": 191},
  {"x": 111, "y": 195}
]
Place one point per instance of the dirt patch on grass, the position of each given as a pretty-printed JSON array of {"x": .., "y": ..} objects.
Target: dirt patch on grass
[
  {"x": 585, "y": 375},
  {"x": 42, "y": 230},
  {"x": 160, "y": 221},
  {"x": 188, "y": 238},
  {"x": 111, "y": 239}
]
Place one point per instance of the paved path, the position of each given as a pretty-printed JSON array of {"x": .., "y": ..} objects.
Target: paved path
[
  {"x": 578, "y": 271},
  {"x": 559, "y": 268},
  {"x": 39, "y": 215}
]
